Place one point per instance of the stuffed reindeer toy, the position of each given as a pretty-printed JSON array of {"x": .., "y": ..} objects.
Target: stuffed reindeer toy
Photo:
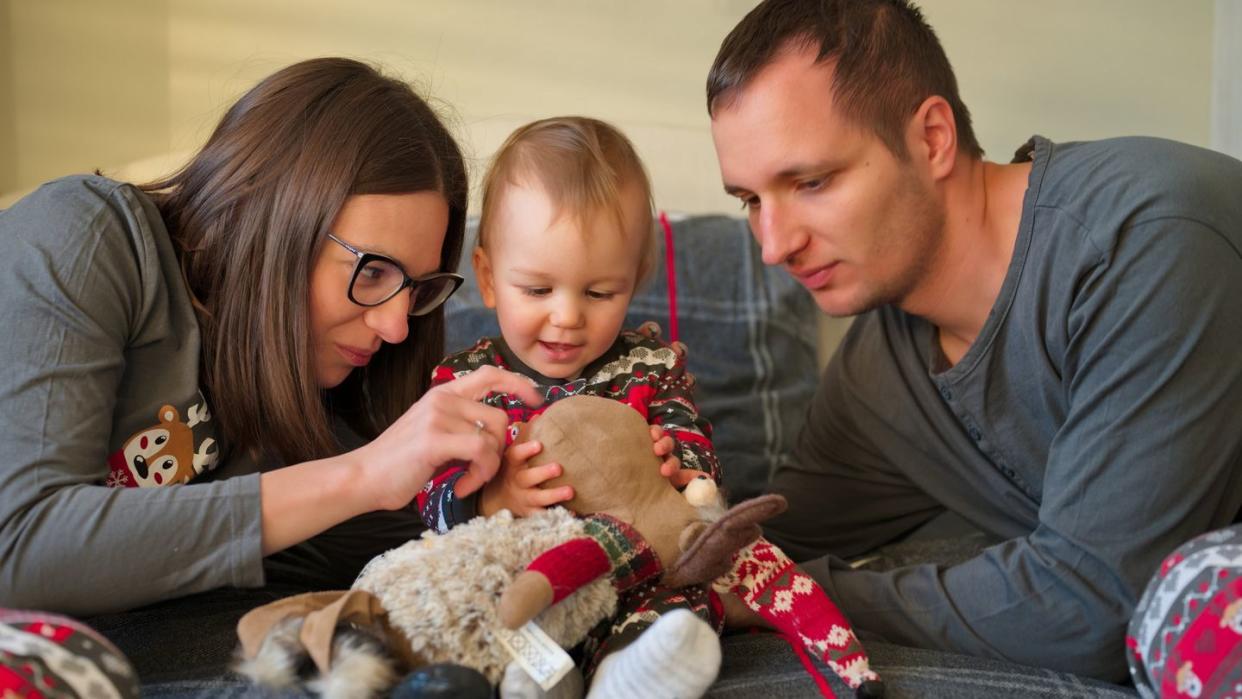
[{"x": 454, "y": 597}]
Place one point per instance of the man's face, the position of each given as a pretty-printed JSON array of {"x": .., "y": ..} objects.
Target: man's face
[{"x": 854, "y": 224}]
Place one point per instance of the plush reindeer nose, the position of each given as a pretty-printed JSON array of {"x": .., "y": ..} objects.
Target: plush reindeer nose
[{"x": 701, "y": 492}]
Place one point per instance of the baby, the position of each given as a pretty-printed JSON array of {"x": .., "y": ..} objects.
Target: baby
[{"x": 566, "y": 236}]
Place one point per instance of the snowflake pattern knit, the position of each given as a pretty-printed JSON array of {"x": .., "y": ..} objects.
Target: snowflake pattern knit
[{"x": 774, "y": 587}]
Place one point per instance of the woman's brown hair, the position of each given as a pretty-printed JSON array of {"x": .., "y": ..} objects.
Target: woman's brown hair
[{"x": 249, "y": 215}]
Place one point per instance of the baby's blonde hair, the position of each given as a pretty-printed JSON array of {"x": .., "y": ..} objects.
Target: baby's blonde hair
[{"x": 583, "y": 165}]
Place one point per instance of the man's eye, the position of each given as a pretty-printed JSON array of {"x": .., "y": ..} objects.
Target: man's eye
[
  {"x": 814, "y": 184},
  {"x": 749, "y": 202}
]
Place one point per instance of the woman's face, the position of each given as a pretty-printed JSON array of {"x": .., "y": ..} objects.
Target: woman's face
[{"x": 409, "y": 228}]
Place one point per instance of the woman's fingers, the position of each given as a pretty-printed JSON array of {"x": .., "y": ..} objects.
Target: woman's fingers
[
  {"x": 484, "y": 418},
  {"x": 481, "y": 454},
  {"x": 489, "y": 379}
]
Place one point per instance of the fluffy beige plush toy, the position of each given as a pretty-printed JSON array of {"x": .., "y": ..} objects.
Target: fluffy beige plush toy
[{"x": 443, "y": 598}]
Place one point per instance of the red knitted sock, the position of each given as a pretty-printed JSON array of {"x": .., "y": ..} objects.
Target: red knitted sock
[{"x": 774, "y": 587}]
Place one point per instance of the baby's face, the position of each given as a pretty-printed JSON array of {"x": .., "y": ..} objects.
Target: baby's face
[{"x": 560, "y": 292}]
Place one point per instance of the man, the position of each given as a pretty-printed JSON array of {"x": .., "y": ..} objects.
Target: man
[{"x": 1048, "y": 349}]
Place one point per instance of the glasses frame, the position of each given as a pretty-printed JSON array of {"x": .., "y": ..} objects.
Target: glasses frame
[{"x": 408, "y": 282}]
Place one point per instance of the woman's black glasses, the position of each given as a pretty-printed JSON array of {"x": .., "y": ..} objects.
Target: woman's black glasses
[{"x": 377, "y": 278}]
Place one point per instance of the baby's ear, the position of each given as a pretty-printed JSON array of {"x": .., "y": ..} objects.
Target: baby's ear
[{"x": 483, "y": 276}]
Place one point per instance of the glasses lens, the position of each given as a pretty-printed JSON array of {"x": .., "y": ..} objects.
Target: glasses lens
[
  {"x": 376, "y": 281},
  {"x": 430, "y": 293}
]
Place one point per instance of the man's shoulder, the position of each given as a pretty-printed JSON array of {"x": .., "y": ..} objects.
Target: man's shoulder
[
  {"x": 1152, "y": 176},
  {"x": 1096, "y": 191}
]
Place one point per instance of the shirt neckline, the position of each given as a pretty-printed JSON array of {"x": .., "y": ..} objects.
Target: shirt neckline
[{"x": 1038, "y": 151}]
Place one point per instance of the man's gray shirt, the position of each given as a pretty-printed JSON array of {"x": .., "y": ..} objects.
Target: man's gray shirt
[{"x": 1093, "y": 425}]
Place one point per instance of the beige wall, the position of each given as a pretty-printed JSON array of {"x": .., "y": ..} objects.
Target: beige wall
[
  {"x": 89, "y": 84},
  {"x": 8, "y": 144},
  {"x": 498, "y": 63},
  {"x": 1227, "y": 82},
  {"x": 1073, "y": 69},
  {"x": 109, "y": 82}
]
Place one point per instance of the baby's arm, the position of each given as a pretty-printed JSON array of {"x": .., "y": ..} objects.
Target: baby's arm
[{"x": 672, "y": 409}]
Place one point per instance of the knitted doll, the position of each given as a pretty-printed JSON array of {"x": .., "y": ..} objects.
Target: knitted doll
[{"x": 443, "y": 597}]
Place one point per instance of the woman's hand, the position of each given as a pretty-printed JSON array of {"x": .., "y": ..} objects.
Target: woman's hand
[
  {"x": 447, "y": 424},
  {"x": 671, "y": 466},
  {"x": 516, "y": 486}
]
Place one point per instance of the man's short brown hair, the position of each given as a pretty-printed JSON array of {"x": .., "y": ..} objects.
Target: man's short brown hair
[{"x": 887, "y": 61}]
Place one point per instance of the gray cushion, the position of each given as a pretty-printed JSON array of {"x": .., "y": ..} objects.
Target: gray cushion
[
  {"x": 763, "y": 665},
  {"x": 751, "y": 332}
]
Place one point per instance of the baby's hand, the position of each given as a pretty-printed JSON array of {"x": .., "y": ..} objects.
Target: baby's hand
[
  {"x": 671, "y": 467},
  {"x": 516, "y": 487}
]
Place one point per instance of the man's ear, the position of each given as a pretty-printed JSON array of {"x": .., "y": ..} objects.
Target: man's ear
[
  {"x": 932, "y": 136},
  {"x": 483, "y": 275}
]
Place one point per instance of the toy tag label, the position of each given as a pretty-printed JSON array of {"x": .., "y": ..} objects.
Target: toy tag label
[{"x": 537, "y": 653}]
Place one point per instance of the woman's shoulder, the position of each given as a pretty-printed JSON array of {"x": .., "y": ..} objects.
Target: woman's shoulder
[
  {"x": 71, "y": 207},
  {"x": 99, "y": 242}
]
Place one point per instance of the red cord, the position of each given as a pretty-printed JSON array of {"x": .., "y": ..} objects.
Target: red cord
[
  {"x": 810, "y": 668},
  {"x": 670, "y": 268}
]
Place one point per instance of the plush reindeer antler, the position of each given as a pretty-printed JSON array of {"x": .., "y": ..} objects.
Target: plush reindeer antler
[{"x": 710, "y": 555}]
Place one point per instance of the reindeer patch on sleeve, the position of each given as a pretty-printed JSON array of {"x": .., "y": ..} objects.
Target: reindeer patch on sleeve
[{"x": 164, "y": 453}]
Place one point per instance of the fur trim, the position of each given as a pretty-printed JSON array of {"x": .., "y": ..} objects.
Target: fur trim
[
  {"x": 279, "y": 660},
  {"x": 441, "y": 591},
  {"x": 360, "y": 668}
]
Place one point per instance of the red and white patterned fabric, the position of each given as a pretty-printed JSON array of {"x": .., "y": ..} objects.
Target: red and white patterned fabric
[
  {"x": 1185, "y": 639},
  {"x": 48, "y": 656},
  {"x": 775, "y": 588}
]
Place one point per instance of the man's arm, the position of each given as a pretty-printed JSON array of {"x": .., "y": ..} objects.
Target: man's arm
[
  {"x": 1149, "y": 455},
  {"x": 845, "y": 497}
]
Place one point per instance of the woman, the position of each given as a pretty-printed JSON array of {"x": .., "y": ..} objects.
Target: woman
[{"x": 261, "y": 326}]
